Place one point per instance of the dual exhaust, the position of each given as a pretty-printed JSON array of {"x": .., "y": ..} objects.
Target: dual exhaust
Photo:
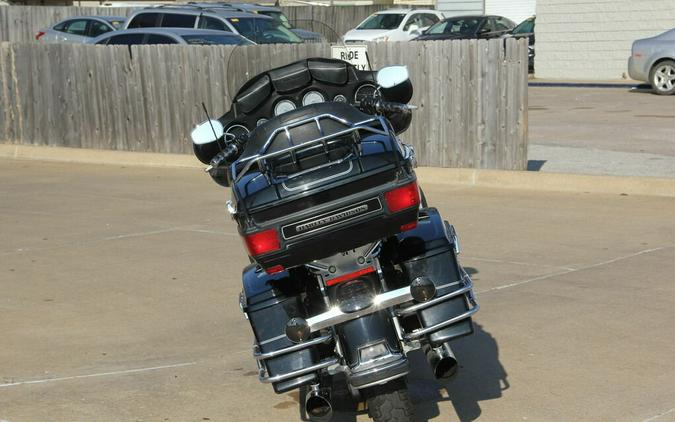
[{"x": 441, "y": 359}]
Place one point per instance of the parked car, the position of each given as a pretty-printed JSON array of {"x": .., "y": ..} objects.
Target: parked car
[
  {"x": 393, "y": 25},
  {"x": 653, "y": 60},
  {"x": 170, "y": 36},
  {"x": 525, "y": 29},
  {"x": 257, "y": 28},
  {"x": 79, "y": 29},
  {"x": 468, "y": 27},
  {"x": 272, "y": 12}
]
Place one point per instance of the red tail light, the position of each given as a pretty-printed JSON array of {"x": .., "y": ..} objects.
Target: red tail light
[
  {"x": 38, "y": 35},
  {"x": 409, "y": 226},
  {"x": 275, "y": 269},
  {"x": 406, "y": 196},
  {"x": 350, "y": 276},
  {"x": 262, "y": 242}
]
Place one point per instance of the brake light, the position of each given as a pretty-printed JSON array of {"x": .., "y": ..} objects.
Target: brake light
[
  {"x": 39, "y": 34},
  {"x": 262, "y": 242},
  {"x": 406, "y": 196},
  {"x": 275, "y": 269}
]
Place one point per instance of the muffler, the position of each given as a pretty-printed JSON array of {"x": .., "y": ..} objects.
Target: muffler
[
  {"x": 317, "y": 404},
  {"x": 442, "y": 361}
]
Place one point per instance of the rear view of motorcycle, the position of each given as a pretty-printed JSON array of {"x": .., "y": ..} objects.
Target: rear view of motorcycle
[{"x": 350, "y": 269}]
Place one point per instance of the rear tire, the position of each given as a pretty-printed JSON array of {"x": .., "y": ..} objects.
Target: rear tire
[
  {"x": 662, "y": 77},
  {"x": 390, "y": 402}
]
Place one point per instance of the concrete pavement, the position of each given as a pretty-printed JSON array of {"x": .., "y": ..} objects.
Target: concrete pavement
[
  {"x": 604, "y": 131},
  {"x": 118, "y": 290}
]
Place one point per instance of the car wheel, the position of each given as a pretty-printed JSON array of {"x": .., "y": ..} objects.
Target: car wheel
[{"x": 662, "y": 77}]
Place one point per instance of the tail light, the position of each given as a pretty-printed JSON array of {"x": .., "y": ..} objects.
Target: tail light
[
  {"x": 407, "y": 196},
  {"x": 39, "y": 34},
  {"x": 262, "y": 242}
]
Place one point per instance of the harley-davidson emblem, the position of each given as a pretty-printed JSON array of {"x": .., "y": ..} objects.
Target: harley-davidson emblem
[{"x": 334, "y": 217}]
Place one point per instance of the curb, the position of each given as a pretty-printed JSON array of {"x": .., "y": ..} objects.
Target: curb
[
  {"x": 501, "y": 179},
  {"x": 627, "y": 86}
]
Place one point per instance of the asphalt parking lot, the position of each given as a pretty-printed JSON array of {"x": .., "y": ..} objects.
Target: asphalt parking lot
[
  {"x": 118, "y": 296},
  {"x": 610, "y": 131}
]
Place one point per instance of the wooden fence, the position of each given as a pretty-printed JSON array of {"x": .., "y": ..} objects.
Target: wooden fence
[
  {"x": 21, "y": 23},
  {"x": 472, "y": 95}
]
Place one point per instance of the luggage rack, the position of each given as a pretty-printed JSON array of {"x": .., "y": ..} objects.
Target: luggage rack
[
  {"x": 262, "y": 155},
  {"x": 260, "y": 358}
]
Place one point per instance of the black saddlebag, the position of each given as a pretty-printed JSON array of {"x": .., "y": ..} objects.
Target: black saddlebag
[
  {"x": 268, "y": 308},
  {"x": 429, "y": 251}
]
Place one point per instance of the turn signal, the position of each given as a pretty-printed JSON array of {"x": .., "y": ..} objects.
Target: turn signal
[
  {"x": 262, "y": 242},
  {"x": 406, "y": 196}
]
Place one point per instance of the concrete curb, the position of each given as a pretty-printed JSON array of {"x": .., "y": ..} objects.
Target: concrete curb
[{"x": 522, "y": 180}]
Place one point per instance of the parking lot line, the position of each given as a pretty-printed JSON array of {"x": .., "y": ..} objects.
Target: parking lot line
[{"x": 100, "y": 374}]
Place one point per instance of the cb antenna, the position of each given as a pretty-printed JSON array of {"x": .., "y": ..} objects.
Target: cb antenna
[{"x": 215, "y": 136}]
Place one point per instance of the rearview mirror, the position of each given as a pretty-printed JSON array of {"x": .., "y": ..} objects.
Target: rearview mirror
[
  {"x": 207, "y": 132},
  {"x": 391, "y": 76}
]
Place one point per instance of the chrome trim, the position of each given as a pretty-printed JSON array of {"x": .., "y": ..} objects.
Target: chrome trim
[
  {"x": 294, "y": 374},
  {"x": 383, "y": 381},
  {"x": 428, "y": 330},
  {"x": 315, "y": 182},
  {"x": 335, "y": 316},
  {"x": 423, "y": 305},
  {"x": 261, "y": 356}
]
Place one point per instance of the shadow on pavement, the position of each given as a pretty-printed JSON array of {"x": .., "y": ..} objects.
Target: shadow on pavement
[{"x": 535, "y": 165}]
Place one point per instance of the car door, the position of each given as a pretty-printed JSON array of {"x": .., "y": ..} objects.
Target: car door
[
  {"x": 76, "y": 31},
  {"x": 126, "y": 39},
  {"x": 487, "y": 31},
  {"x": 502, "y": 25}
]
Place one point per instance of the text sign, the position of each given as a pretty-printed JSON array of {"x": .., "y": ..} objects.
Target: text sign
[{"x": 352, "y": 53}]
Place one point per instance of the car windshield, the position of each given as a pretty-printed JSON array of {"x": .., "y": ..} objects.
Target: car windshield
[
  {"x": 215, "y": 39},
  {"x": 278, "y": 16},
  {"x": 382, "y": 21},
  {"x": 525, "y": 27},
  {"x": 264, "y": 31},
  {"x": 460, "y": 26}
]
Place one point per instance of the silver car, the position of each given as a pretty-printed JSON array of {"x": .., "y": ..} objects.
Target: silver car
[
  {"x": 653, "y": 60},
  {"x": 170, "y": 36},
  {"x": 79, "y": 29}
]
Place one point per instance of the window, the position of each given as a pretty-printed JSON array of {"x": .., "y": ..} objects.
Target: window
[
  {"x": 382, "y": 21},
  {"x": 415, "y": 19},
  {"x": 525, "y": 27},
  {"x": 278, "y": 16},
  {"x": 206, "y": 22},
  {"x": 173, "y": 20},
  {"x": 126, "y": 39},
  {"x": 97, "y": 28},
  {"x": 145, "y": 20},
  {"x": 503, "y": 24},
  {"x": 488, "y": 26},
  {"x": 264, "y": 31},
  {"x": 457, "y": 26},
  {"x": 78, "y": 27},
  {"x": 60, "y": 27},
  {"x": 160, "y": 39},
  {"x": 216, "y": 39},
  {"x": 428, "y": 19}
]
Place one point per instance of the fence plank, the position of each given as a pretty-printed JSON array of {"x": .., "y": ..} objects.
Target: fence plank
[{"x": 472, "y": 95}]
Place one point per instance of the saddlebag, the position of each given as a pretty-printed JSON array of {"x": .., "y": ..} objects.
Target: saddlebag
[
  {"x": 268, "y": 308},
  {"x": 430, "y": 250}
]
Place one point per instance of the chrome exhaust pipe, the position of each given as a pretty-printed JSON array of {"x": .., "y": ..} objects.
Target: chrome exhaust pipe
[
  {"x": 317, "y": 404},
  {"x": 442, "y": 361}
]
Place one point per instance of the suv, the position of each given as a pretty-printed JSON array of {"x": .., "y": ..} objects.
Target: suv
[
  {"x": 257, "y": 28},
  {"x": 272, "y": 12},
  {"x": 393, "y": 25}
]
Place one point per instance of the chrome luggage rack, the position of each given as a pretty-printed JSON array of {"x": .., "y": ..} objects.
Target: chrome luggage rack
[
  {"x": 261, "y": 156},
  {"x": 263, "y": 373}
]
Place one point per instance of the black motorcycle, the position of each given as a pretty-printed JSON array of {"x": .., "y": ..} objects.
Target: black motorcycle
[{"x": 350, "y": 269}]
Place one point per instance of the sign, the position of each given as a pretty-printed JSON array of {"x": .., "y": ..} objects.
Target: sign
[{"x": 351, "y": 53}]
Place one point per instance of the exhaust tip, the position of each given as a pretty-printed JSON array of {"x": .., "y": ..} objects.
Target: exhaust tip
[
  {"x": 443, "y": 362},
  {"x": 318, "y": 407}
]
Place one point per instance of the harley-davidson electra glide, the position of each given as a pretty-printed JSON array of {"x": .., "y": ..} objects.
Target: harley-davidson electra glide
[{"x": 350, "y": 269}]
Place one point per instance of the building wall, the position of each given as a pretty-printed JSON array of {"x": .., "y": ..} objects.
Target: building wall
[
  {"x": 460, "y": 7},
  {"x": 516, "y": 10},
  {"x": 592, "y": 39}
]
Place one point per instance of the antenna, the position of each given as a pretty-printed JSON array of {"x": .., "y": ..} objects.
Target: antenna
[{"x": 215, "y": 136}]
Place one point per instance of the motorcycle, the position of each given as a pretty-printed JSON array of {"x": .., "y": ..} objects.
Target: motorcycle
[{"x": 350, "y": 268}]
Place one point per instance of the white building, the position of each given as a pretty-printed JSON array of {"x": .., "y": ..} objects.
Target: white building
[
  {"x": 516, "y": 10},
  {"x": 592, "y": 39}
]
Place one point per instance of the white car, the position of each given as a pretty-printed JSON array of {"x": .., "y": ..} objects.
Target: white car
[{"x": 393, "y": 25}]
